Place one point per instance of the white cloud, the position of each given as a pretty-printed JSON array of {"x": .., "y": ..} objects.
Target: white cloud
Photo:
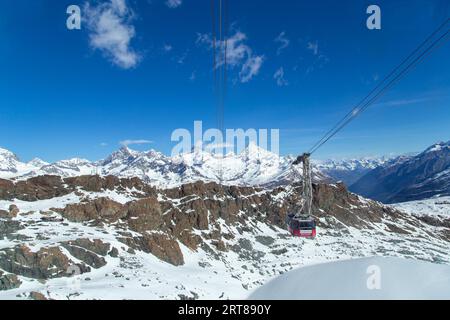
[
  {"x": 250, "y": 68},
  {"x": 314, "y": 47},
  {"x": 127, "y": 143},
  {"x": 279, "y": 77},
  {"x": 239, "y": 55},
  {"x": 174, "y": 3},
  {"x": 111, "y": 31},
  {"x": 167, "y": 48},
  {"x": 405, "y": 102},
  {"x": 283, "y": 41}
]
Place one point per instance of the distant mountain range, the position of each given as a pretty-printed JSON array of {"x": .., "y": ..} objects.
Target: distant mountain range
[
  {"x": 254, "y": 166},
  {"x": 418, "y": 177},
  {"x": 386, "y": 179},
  {"x": 350, "y": 170}
]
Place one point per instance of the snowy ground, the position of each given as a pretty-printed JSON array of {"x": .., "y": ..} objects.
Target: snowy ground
[
  {"x": 368, "y": 278},
  {"x": 263, "y": 254},
  {"x": 438, "y": 206}
]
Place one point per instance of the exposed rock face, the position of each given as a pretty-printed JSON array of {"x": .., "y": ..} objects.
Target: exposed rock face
[
  {"x": 38, "y": 188},
  {"x": 4, "y": 214},
  {"x": 86, "y": 256},
  {"x": 97, "y": 246},
  {"x": 9, "y": 281},
  {"x": 162, "y": 246},
  {"x": 11, "y": 213},
  {"x": 13, "y": 210},
  {"x": 144, "y": 215},
  {"x": 45, "y": 264},
  {"x": 47, "y": 186},
  {"x": 37, "y": 296},
  {"x": 8, "y": 227},
  {"x": 90, "y": 252},
  {"x": 163, "y": 217},
  {"x": 99, "y": 209}
]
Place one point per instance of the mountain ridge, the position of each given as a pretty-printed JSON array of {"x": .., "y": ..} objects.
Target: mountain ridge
[{"x": 419, "y": 177}]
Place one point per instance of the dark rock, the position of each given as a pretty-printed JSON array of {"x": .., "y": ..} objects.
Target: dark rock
[
  {"x": 279, "y": 252},
  {"x": 9, "y": 281},
  {"x": 114, "y": 253},
  {"x": 37, "y": 296},
  {"x": 8, "y": 227},
  {"x": 47, "y": 263},
  {"x": 86, "y": 256},
  {"x": 98, "y": 209},
  {"x": 13, "y": 210},
  {"x": 265, "y": 240},
  {"x": 97, "y": 246},
  {"x": 161, "y": 246},
  {"x": 145, "y": 215}
]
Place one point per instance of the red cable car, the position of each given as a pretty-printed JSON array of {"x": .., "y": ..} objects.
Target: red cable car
[{"x": 303, "y": 227}]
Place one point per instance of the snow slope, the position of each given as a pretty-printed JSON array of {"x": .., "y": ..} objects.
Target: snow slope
[
  {"x": 258, "y": 250},
  {"x": 399, "y": 279},
  {"x": 438, "y": 206}
]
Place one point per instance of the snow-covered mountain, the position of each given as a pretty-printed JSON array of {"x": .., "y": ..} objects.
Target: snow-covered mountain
[
  {"x": 95, "y": 237},
  {"x": 254, "y": 166},
  {"x": 415, "y": 178},
  {"x": 11, "y": 166},
  {"x": 350, "y": 170}
]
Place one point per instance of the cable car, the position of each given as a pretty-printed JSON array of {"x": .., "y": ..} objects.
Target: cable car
[{"x": 303, "y": 227}]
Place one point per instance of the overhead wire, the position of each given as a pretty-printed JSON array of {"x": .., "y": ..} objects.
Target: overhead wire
[{"x": 358, "y": 109}]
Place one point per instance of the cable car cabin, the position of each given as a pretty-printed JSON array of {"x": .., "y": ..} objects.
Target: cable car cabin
[{"x": 301, "y": 227}]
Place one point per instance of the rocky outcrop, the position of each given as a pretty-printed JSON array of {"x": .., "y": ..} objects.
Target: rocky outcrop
[
  {"x": 37, "y": 296},
  {"x": 86, "y": 256},
  {"x": 91, "y": 252},
  {"x": 162, "y": 246},
  {"x": 145, "y": 215},
  {"x": 161, "y": 218},
  {"x": 9, "y": 281},
  {"x": 97, "y": 246},
  {"x": 11, "y": 213},
  {"x": 48, "y": 186},
  {"x": 38, "y": 188},
  {"x": 7, "y": 227},
  {"x": 99, "y": 209},
  {"x": 46, "y": 263}
]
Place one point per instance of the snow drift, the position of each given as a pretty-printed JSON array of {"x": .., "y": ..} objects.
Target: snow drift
[{"x": 351, "y": 279}]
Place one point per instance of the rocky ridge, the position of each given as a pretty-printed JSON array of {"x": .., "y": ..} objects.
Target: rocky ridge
[{"x": 61, "y": 228}]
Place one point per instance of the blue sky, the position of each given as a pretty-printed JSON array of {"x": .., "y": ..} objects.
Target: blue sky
[{"x": 67, "y": 93}]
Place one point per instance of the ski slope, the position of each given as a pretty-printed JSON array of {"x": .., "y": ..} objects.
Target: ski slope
[
  {"x": 366, "y": 278},
  {"x": 438, "y": 206}
]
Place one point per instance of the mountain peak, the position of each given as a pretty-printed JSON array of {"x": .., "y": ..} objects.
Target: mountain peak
[
  {"x": 123, "y": 154},
  {"x": 438, "y": 147},
  {"x": 255, "y": 151},
  {"x": 36, "y": 162},
  {"x": 8, "y": 154}
]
